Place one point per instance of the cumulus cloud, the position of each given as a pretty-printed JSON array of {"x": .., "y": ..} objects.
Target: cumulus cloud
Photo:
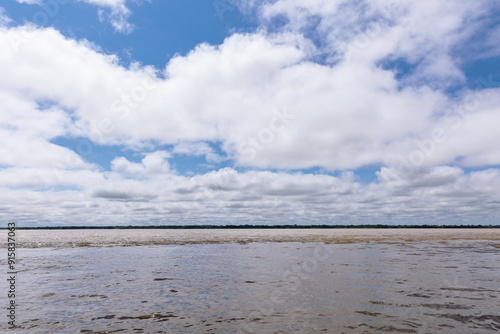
[
  {"x": 323, "y": 90},
  {"x": 257, "y": 94},
  {"x": 424, "y": 34},
  {"x": 152, "y": 164}
]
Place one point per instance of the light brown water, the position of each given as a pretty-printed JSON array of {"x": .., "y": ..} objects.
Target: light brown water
[
  {"x": 99, "y": 238},
  {"x": 258, "y": 281}
]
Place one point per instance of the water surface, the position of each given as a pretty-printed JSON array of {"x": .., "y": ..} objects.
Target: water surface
[{"x": 259, "y": 281}]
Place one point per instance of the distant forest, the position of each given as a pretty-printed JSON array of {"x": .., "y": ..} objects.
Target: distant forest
[{"x": 168, "y": 227}]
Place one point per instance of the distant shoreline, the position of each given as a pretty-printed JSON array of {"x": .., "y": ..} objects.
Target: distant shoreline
[{"x": 216, "y": 227}]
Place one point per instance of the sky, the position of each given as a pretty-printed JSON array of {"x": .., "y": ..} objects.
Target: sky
[{"x": 136, "y": 112}]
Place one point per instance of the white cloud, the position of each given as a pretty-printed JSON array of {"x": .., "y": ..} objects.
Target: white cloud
[
  {"x": 26, "y": 130},
  {"x": 153, "y": 164},
  {"x": 4, "y": 19},
  {"x": 440, "y": 195},
  {"x": 351, "y": 114},
  {"x": 30, "y": 2},
  {"x": 423, "y": 33},
  {"x": 118, "y": 14},
  {"x": 198, "y": 149}
]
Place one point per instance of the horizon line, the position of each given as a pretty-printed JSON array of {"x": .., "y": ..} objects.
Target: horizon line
[{"x": 250, "y": 226}]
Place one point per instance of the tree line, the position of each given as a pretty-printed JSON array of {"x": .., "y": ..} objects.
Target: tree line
[{"x": 249, "y": 226}]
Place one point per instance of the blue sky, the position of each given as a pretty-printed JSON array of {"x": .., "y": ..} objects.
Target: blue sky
[
  {"x": 162, "y": 28},
  {"x": 230, "y": 112}
]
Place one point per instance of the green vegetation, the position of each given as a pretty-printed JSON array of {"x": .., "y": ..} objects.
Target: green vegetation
[{"x": 367, "y": 226}]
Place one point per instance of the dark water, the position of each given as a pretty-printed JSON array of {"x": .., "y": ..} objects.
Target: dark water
[{"x": 287, "y": 287}]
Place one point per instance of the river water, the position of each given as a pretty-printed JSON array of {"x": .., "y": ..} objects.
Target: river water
[{"x": 257, "y": 281}]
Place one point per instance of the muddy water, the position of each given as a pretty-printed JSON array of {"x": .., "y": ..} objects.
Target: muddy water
[{"x": 258, "y": 281}]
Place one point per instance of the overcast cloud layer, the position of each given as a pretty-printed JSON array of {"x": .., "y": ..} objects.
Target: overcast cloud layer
[{"x": 326, "y": 84}]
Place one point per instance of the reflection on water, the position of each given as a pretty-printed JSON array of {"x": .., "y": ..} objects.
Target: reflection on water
[{"x": 427, "y": 285}]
